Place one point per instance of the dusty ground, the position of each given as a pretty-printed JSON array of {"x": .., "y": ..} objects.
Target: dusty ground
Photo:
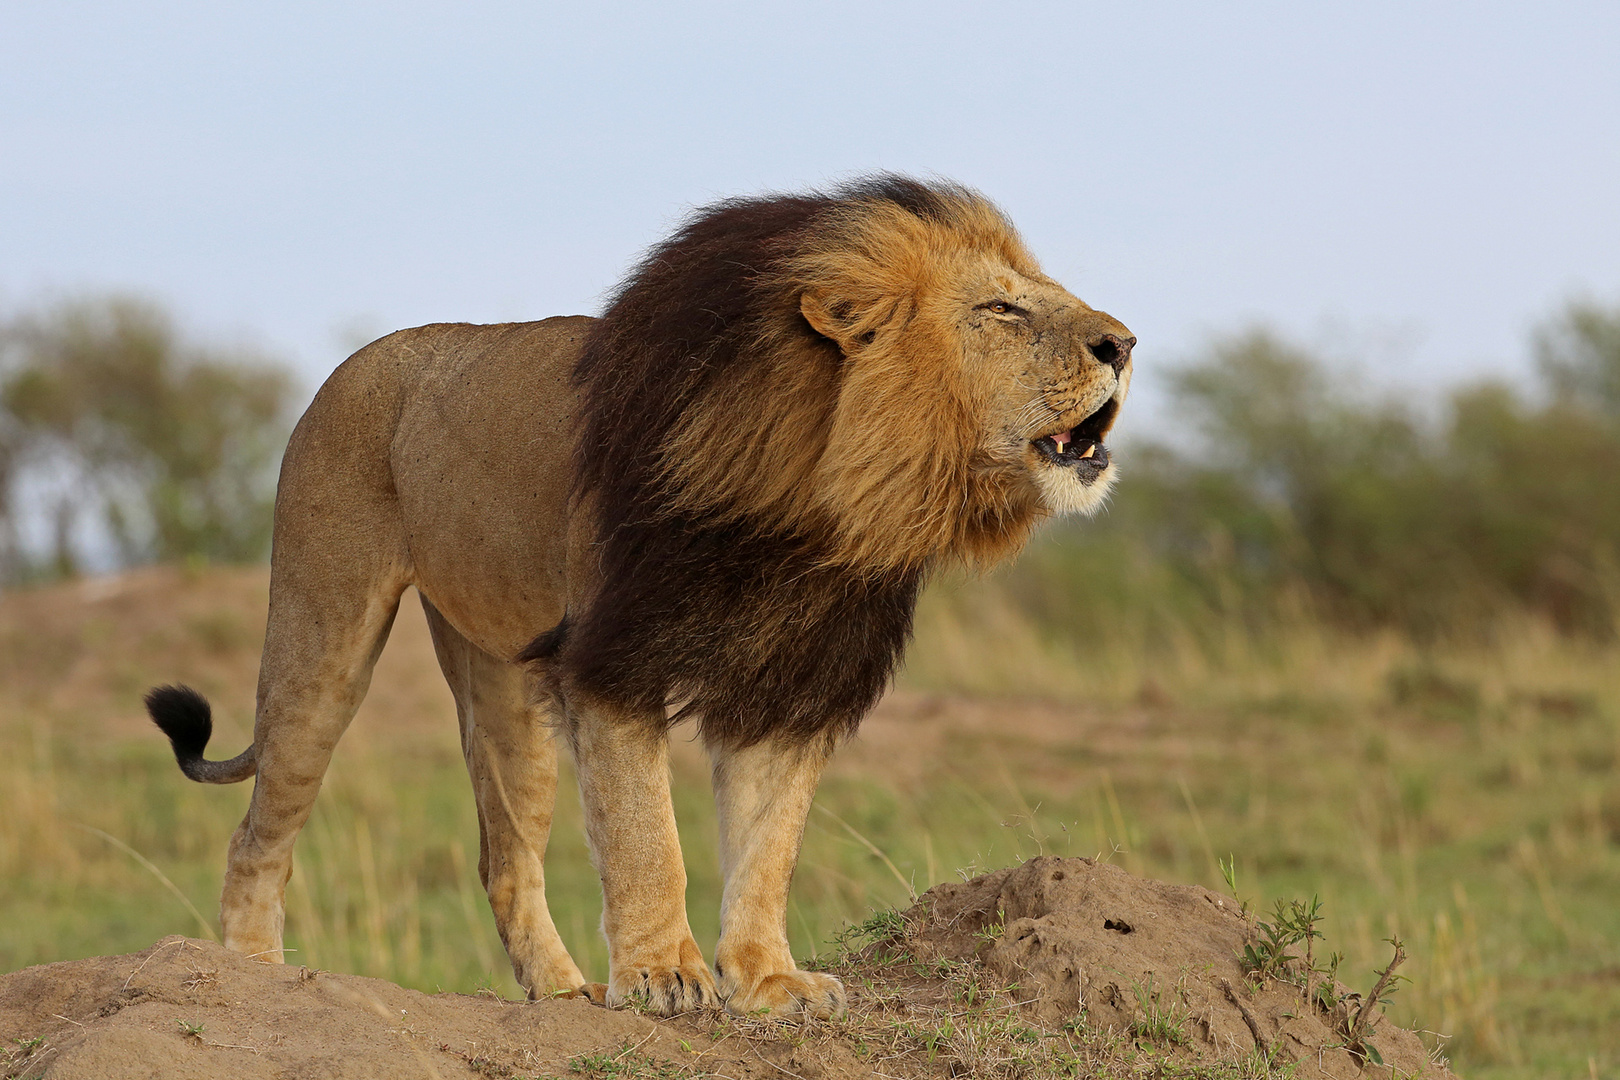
[
  {"x": 1055, "y": 967},
  {"x": 1158, "y": 962}
]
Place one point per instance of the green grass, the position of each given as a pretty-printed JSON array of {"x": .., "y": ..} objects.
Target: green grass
[{"x": 1466, "y": 803}]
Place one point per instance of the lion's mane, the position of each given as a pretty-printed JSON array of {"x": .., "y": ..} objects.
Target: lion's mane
[{"x": 767, "y": 506}]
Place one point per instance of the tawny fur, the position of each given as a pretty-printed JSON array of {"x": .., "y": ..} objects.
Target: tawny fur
[
  {"x": 857, "y": 461},
  {"x": 814, "y": 393},
  {"x": 724, "y": 493}
]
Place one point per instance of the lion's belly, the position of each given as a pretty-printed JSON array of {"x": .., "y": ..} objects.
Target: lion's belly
[{"x": 481, "y": 465}]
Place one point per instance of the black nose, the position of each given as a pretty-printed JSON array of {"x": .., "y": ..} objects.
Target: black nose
[{"x": 1113, "y": 351}]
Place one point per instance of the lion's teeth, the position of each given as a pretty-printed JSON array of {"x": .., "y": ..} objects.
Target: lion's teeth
[{"x": 1092, "y": 449}]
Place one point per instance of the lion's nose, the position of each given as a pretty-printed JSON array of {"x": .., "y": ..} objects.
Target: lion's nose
[{"x": 1112, "y": 350}]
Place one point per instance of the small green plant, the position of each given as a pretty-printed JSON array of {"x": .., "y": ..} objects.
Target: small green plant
[
  {"x": 20, "y": 1061},
  {"x": 881, "y": 928},
  {"x": 639, "y": 1001},
  {"x": 23, "y": 1057},
  {"x": 1294, "y": 924},
  {"x": 1324, "y": 991},
  {"x": 1160, "y": 1022},
  {"x": 932, "y": 1036},
  {"x": 1228, "y": 867},
  {"x": 1269, "y": 956},
  {"x": 190, "y": 1029},
  {"x": 625, "y": 1064}
]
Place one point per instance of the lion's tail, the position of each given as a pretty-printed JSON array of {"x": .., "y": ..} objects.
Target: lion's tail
[{"x": 184, "y": 716}]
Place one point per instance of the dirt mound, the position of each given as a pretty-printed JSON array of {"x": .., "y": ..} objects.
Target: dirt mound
[
  {"x": 1144, "y": 958},
  {"x": 191, "y": 1010},
  {"x": 1058, "y": 967}
]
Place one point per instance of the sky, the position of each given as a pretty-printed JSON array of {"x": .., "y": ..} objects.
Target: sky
[{"x": 1410, "y": 186}]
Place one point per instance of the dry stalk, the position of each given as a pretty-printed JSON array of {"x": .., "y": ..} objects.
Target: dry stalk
[
  {"x": 1359, "y": 1030},
  {"x": 1248, "y": 1018}
]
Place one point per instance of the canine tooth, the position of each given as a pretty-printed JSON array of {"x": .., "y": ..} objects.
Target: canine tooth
[{"x": 1092, "y": 449}]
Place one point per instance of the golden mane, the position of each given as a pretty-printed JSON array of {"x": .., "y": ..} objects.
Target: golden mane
[
  {"x": 846, "y": 449},
  {"x": 779, "y": 436}
]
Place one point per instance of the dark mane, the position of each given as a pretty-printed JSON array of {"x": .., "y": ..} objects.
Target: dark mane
[{"x": 751, "y": 624}]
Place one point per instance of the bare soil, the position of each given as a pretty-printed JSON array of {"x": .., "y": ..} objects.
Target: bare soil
[{"x": 1082, "y": 937}]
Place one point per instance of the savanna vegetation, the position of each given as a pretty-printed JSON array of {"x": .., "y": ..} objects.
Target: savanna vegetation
[
  {"x": 1302, "y": 494},
  {"x": 1350, "y": 645},
  {"x": 121, "y": 443}
]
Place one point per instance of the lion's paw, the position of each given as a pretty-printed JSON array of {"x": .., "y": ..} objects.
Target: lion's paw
[
  {"x": 790, "y": 993},
  {"x": 664, "y": 991},
  {"x": 595, "y": 993}
]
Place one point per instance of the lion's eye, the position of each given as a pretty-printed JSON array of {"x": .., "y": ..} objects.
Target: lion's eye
[{"x": 1002, "y": 307}]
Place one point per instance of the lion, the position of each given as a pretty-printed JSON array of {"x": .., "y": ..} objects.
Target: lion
[{"x": 717, "y": 501}]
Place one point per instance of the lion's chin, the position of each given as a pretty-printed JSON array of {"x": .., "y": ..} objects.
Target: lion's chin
[{"x": 1071, "y": 490}]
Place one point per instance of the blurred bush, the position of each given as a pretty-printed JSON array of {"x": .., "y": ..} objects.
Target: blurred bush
[
  {"x": 1301, "y": 496},
  {"x": 121, "y": 444}
]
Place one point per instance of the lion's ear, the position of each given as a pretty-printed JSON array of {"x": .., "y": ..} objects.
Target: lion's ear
[{"x": 826, "y": 319}]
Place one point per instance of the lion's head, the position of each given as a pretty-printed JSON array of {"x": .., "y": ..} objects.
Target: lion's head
[
  {"x": 884, "y": 372},
  {"x": 789, "y": 413}
]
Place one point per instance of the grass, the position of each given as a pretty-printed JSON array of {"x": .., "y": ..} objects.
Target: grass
[
  {"x": 625, "y": 1064},
  {"x": 1465, "y": 801},
  {"x": 1161, "y": 1020}
]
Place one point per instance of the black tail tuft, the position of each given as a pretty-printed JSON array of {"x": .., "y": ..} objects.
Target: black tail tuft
[{"x": 184, "y": 716}]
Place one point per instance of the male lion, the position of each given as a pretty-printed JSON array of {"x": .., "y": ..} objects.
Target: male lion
[{"x": 718, "y": 500}]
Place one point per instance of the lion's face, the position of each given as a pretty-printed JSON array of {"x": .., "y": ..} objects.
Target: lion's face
[
  {"x": 971, "y": 406},
  {"x": 916, "y": 390},
  {"x": 1053, "y": 372}
]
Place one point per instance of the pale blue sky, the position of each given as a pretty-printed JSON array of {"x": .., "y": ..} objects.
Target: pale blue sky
[{"x": 1416, "y": 184}]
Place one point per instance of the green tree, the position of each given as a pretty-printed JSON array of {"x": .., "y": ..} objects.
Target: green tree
[
  {"x": 1296, "y": 491},
  {"x": 1579, "y": 352},
  {"x": 171, "y": 447}
]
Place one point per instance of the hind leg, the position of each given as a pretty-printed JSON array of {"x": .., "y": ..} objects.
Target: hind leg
[
  {"x": 512, "y": 759},
  {"x": 328, "y": 623}
]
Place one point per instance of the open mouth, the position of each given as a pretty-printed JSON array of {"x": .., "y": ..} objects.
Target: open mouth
[{"x": 1081, "y": 447}]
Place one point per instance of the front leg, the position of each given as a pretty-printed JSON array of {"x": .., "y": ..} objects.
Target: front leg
[
  {"x": 623, "y": 764},
  {"x": 763, "y": 795}
]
